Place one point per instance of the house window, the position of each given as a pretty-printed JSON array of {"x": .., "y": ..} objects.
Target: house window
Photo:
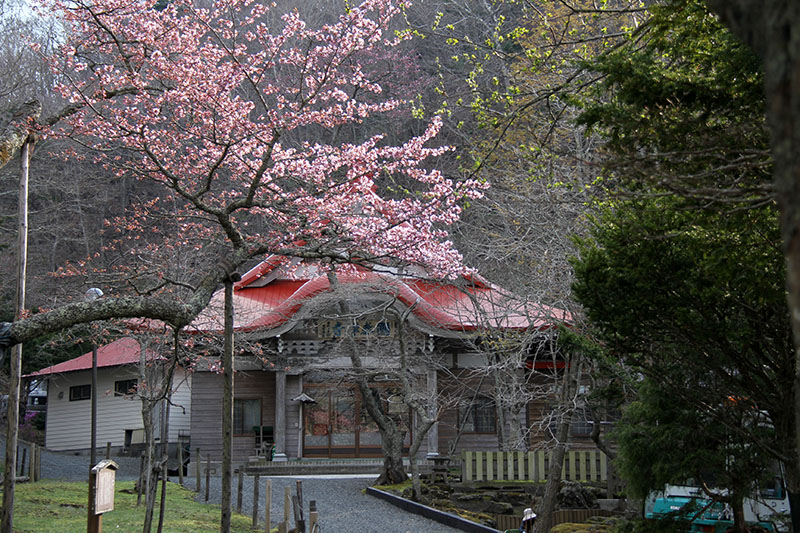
[
  {"x": 581, "y": 428},
  {"x": 582, "y": 422},
  {"x": 80, "y": 392},
  {"x": 478, "y": 417},
  {"x": 246, "y": 415},
  {"x": 125, "y": 387}
]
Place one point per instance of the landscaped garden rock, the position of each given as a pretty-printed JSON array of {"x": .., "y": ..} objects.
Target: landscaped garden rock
[
  {"x": 514, "y": 498},
  {"x": 441, "y": 503},
  {"x": 482, "y": 502},
  {"x": 577, "y": 496},
  {"x": 499, "y": 508},
  {"x": 438, "y": 494},
  {"x": 476, "y": 497}
]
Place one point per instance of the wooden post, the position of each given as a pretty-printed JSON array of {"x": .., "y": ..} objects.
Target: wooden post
[
  {"x": 208, "y": 473},
  {"x": 197, "y": 464},
  {"x": 94, "y": 523},
  {"x": 140, "y": 484},
  {"x": 180, "y": 463},
  {"x": 299, "y": 518},
  {"x": 15, "y": 373},
  {"x": 32, "y": 464},
  {"x": 267, "y": 506},
  {"x": 313, "y": 515},
  {"x": 287, "y": 494},
  {"x": 299, "y": 521},
  {"x": 239, "y": 489},
  {"x": 256, "y": 498},
  {"x": 227, "y": 407},
  {"x": 22, "y": 463},
  {"x": 108, "y": 450},
  {"x": 38, "y": 466},
  {"x": 300, "y": 493},
  {"x": 93, "y": 438},
  {"x": 279, "y": 432}
]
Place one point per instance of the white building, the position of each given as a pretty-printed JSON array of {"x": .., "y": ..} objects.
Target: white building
[{"x": 119, "y": 409}]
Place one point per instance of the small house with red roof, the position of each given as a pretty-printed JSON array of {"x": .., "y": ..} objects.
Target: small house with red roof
[
  {"x": 293, "y": 389},
  {"x": 119, "y": 410}
]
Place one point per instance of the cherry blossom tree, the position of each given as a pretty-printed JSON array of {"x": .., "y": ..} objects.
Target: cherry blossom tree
[{"x": 216, "y": 107}]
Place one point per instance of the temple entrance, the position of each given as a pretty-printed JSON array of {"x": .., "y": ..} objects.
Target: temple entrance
[{"x": 338, "y": 425}]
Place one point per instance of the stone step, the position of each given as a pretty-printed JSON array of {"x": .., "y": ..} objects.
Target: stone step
[{"x": 297, "y": 468}]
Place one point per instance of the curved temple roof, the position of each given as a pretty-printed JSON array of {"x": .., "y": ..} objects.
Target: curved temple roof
[{"x": 271, "y": 294}]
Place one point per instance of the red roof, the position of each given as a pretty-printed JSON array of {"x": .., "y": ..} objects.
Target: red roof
[
  {"x": 272, "y": 293},
  {"x": 124, "y": 351}
]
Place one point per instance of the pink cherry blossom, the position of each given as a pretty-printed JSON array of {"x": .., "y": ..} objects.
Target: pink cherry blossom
[{"x": 226, "y": 114}]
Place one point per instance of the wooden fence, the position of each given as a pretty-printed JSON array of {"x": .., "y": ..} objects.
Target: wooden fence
[
  {"x": 562, "y": 516},
  {"x": 583, "y": 466}
]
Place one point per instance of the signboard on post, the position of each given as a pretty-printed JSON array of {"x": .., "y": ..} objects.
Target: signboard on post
[
  {"x": 101, "y": 493},
  {"x": 104, "y": 474}
]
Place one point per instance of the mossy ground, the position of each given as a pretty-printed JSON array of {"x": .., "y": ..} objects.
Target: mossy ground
[{"x": 60, "y": 507}]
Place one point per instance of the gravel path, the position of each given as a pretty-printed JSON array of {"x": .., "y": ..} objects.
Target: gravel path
[
  {"x": 76, "y": 467},
  {"x": 72, "y": 467},
  {"x": 342, "y": 504}
]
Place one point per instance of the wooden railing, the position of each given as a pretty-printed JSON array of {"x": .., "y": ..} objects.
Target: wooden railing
[{"x": 579, "y": 465}]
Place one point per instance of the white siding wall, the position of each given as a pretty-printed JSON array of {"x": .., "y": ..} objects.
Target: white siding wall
[
  {"x": 180, "y": 412},
  {"x": 69, "y": 422}
]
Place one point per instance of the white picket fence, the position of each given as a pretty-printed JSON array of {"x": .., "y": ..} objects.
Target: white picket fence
[{"x": 579, "y": 465}]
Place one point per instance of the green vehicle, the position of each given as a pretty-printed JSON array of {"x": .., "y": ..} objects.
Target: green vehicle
[{"x": 697, "y": 513}]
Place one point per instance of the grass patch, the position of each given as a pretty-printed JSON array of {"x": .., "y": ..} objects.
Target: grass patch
[
  {"x": 60, "y": 507},
  {"x": 397, "y": 487}
]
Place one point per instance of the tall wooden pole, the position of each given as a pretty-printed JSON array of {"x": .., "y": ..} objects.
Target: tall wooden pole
[
  {"x": 93, "y": 443},
  {"x": 9, "y": 472},
  {"x": 227, "y": 410}
]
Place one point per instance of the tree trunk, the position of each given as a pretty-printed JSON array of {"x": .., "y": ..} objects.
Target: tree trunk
[
  {"x": 791, "y": 475},
  {"x": 548, "y": 506},
  {"x": 149, "y": 482},
  {"x": 515, "y": 436},
  {"x": 392, "y": 436},
  {"x": 737, "y": 506},
  {"x": 420, "y": 434},
  {"x": 393, "y": 469},
  {"x": 416, "y": 482},
  {"x": 566, "y": 406},
  {"x": 772, "y": 29},
  {"x": 164, "y": 460},
  {"x": 500, "y": 411}
]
